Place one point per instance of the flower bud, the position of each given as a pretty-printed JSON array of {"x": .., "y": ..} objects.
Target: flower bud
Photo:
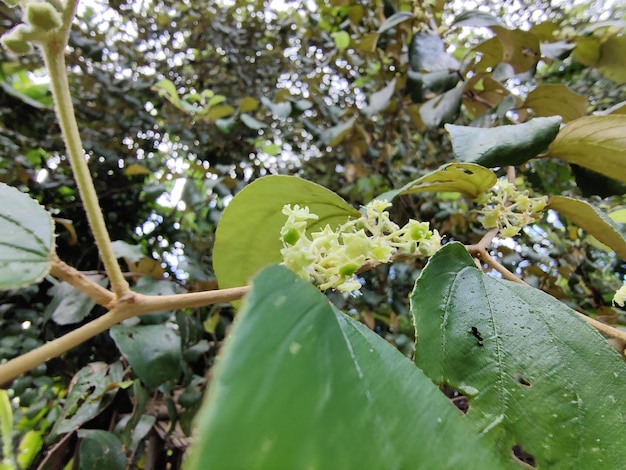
[
  {"x": 43, "y": 16},
  {"x": 15, "y": 41}
]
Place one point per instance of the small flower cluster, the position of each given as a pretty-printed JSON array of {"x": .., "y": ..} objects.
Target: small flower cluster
[
  {"x": 40, "y": 19},
  {"x": 620, "y": 296},
  {"x": 330, "y": 258},
  {"x": 509, "y": 209}
]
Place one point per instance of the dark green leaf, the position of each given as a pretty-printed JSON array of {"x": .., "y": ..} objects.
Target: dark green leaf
[
  {"x": 427, "y": 53},
  {"x": 529, "y": 365},
  {"x": 248, "y": 235},
  {"x": 153, "y": 351},
  {"x": 100, "y": 450},
  {"x": 91, "y": 392},
  {"x": 503, "y": 145},
  {"x": 329, "y": 392},
  {"x": 420, "y": 85},
  {"x": 26, "y": 239},
  {"x": 590, "y": 219}
]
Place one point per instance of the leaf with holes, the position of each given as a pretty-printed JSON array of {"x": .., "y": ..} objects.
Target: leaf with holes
[
  {"x": 538, "y": 377},
  {"x": 466, "y": 178},
  {"x": 503, "y": 145},
  {"x": 26, "y": 239},
  {"x": 248, "y": 235},
  {"x": 329, "y": 393}
]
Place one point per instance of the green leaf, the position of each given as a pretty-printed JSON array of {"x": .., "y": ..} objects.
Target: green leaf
[
  {"x": 536, "y": 374},
  {"x": 590, "y": 219},
  {"x": 100, "y": 449},
  {"x": 333, "y": 136},
  {"x": 475, "y": 18},
  {"x": 91, "y": 392},
  {"x": 503, "y": 145},
  {"x": 427, "y": 53},
  {"x": 68, "y": 304},
  {"x": 251, "y": 122},
  {"x": 278, "y": 110},
  {"x": 167, "y": 89},
  {"x": 341, "y": 39},
  {"x": 551, "y": 100},
  {"x": 420, "y": 85},
  {"x": 248, "y": 234},
  {"x": 300, "y": 385},
  {"x": 379, "y": 101},
  {"x": 612, "y": 64},
  {"x": 442, "y": 109},
  {"x": 132, "y": 253},
  {"x": 466, "y": 178},
  {"x": 595, "y": 142},
  {"x": 394, "y": 20},
  {"x": 6, "y": 423},
  {"x": 153, "y": 351},
  {"x": 26, "y": 239}
]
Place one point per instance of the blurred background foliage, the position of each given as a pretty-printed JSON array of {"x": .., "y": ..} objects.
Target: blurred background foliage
[{"x": 182, "y": 103}]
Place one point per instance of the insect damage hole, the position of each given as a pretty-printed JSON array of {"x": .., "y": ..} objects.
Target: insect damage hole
[
  {"x": 523, "y": 457},
  {"x": 457, "y": 398},
  {"x": 520, "y": 378}
]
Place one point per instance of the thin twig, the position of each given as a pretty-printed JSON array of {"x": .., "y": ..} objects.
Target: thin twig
[
  {"x": 131, "y": 305},
  {"x": 72, "y": 276}
]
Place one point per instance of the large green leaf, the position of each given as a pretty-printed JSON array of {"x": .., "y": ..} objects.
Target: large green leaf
[
  {"x": 503, "y": 145},
  {"x": 26, "y": 239},
  {"x": 538, "y": 377},
  {"x": 595, "y": 142},
  {"x": 593, "y": 221},
  {"x": 301, "y": 385},
  {"x": 467, "y": 178},
  {"x": 248, "y": 234},
  {"x": 153, "y": 351}
]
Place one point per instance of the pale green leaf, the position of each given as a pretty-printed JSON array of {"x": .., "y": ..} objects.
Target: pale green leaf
[
  {"x": 612, "y": 63},
  {"x": 590, "y": 219},
  {"x": 248, "y": 234},
  {"x": 467, "y": 178},
  {"x": 26, "y": 239},
  {"x": 595, "y": 142},
  {"x": 537, "y": 375},
  {"x": 342, "y": 40},
  {"x": 503, "y": 145},
  {"x": 302, "y": 386},
  {"x": 251, "y": 122}
]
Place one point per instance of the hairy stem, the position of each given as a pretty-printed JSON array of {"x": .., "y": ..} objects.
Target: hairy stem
[
  {"x": 75, "y": 278},
  {"x": 54, "y": 57},
  {"x": 131, "y": 305}
]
